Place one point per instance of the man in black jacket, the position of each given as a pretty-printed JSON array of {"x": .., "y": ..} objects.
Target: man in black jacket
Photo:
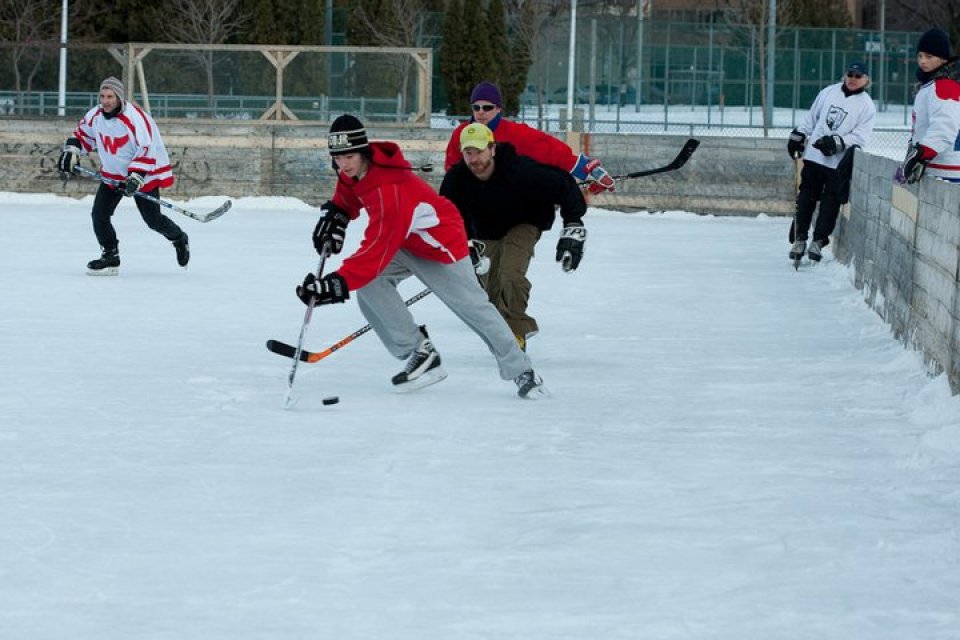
[{"x": 507, "y": 201}]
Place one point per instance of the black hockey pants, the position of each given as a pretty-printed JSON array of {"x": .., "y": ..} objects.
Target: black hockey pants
[
  {"x": 828, "y": 186},
  {"x": 105, "y": 203}
]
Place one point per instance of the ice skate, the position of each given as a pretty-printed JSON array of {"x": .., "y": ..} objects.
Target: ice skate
[
  {"x": 423, "y": 368},
  {"x": 815, "y": 252},
  {"x": 107, "y": 264},
  {"x": 183, "y": 250},
  {"x": 530, "y": 386},
  {"x": 796, "y": 252}
]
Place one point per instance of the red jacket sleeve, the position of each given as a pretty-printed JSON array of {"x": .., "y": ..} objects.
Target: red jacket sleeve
[
  {"x": 536, "y": 144},
  {"x": 453, "y": 155}
]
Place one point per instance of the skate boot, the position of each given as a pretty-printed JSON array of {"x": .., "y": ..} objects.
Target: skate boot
[
  {"x": 530, "y": 386},
  {"x": 107, "y": 264},
  {"x": 423, "y": 368},
  {"x": 798, "y": 249},
  {"x": 815, "y": 252},
  {"x": 183, "y": 250}
]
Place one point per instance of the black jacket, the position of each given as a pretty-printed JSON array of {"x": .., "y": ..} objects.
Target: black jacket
[{"x": 520, "y": 190}]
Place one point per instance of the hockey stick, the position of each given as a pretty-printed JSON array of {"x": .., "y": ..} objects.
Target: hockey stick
[
  {"x": 688, "y": 148},
  {"x": 797, "y": 166},
  {"x": 202, "y": 217},
  {"x": 288, "y": 399},
  {"x": 290, "y": 351}
]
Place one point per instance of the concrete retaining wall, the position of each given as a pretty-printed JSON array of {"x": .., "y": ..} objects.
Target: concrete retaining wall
[
  {"x": 726, "y": 176},
  {"x": 904, "y": 244}
]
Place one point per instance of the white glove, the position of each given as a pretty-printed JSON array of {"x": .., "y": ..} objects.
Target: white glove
[{"x": 481, "y": 263}]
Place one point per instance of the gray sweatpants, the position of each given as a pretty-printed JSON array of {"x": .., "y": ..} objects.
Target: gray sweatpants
[{"x": 457, "y": 287}]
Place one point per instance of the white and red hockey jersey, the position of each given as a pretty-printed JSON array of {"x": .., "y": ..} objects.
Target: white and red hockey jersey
[
  {"x": 936, "y": 124},
  {"x": 128, "y": 142}
]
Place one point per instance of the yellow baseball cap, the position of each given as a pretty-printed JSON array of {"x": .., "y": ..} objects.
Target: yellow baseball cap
[{"x": 476, "y": 136}]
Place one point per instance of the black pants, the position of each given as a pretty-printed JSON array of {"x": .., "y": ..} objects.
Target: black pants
[
  {"x": 831, "y": 188},
  {"x": 105, "y": 203}
]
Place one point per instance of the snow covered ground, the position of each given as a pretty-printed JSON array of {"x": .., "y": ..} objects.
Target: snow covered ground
[{"x": 732, "y": 449}]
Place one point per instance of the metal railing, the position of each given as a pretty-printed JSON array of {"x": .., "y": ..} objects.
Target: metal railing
[{"x": 268, "y": 83}]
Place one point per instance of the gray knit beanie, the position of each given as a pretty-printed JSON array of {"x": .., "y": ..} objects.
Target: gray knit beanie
[{"x": 114, "y": 85}]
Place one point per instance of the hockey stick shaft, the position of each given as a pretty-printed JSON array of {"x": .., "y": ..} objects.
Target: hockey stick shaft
[
  {"x": 307, "y": 315},
  {"x": 290, "y": 351},
  {"x": 685, "y": 152},
  {"x": 213, "y": 215}
]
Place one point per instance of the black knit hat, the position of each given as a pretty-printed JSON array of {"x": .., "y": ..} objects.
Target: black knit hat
[
  {"x": 936, "y": 43},
  {"x": 347, "y": 135}
]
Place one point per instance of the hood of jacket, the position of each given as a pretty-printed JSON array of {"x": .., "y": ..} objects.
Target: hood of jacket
[{"x": 387, "y": 166}]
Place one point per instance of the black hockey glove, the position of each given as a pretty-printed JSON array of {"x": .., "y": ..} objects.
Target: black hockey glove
[
  {"x": 915, "y": 164},
  {"x": 830, "y": 145},
  {"x": 481, "y": 263},
  {"x": 796, "y": 143},
  {"x": 331, "y": 228},
  {"x": 330, "y": 289},
  {"x": 570, "y": 246},
  {"x": 132, "y": 184},
  {"x": 70, "y": 156}
]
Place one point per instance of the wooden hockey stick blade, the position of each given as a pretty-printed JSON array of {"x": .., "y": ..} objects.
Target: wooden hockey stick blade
[
  {"x": 688, "y": 148},
  {"x": 212, "y": 215},
  {"x": 290, "y": 351}
]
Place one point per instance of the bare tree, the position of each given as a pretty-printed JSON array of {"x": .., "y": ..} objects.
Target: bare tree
[
  {"x": 393, "y": 23},
  {"x": 203, "y": 22},
  {"x": 921, "y": 15},
  {"x": 751, "y": 18},
  {"x": 28, "y": 27},
  {"x": 531, "y": 19}
]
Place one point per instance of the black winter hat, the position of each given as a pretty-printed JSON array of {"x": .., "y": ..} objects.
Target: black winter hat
[
  {"x": 347, "y": 135},
  {"x": 936, "y": 43}
]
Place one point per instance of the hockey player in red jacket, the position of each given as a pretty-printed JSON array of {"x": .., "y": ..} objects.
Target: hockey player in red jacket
[
  {"x": 410, "y": 231},
  {"x": 487, "y": 105}
]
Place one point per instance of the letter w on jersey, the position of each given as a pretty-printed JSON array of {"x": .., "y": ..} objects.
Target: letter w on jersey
[{"x": 111, "y": 145}]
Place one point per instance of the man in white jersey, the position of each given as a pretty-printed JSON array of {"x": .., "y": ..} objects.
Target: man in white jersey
[
  {"x": 131, "y": 151},
  {"x": 842, "y": 117}
]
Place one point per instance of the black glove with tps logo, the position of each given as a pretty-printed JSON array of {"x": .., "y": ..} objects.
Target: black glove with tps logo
[{"x": 331, "y": 228}]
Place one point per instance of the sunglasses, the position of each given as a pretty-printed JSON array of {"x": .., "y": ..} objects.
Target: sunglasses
[
  {"x": 483, "y": 107},
  {"x": 855, "y": 75}
]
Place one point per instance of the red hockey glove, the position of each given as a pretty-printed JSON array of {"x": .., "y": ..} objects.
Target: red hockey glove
[{"x": 598, "y": 178}]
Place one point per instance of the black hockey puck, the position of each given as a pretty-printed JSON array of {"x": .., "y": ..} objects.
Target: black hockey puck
[{"x": 331, "y": 400}]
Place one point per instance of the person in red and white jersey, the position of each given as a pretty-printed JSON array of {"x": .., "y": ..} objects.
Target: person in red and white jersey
[
  {"x": 934, "y": 146},
  {"x": 128, "y": 143}
]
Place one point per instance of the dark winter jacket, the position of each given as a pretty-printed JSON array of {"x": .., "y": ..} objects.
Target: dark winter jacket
[{"x": 521, "y": 190}]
